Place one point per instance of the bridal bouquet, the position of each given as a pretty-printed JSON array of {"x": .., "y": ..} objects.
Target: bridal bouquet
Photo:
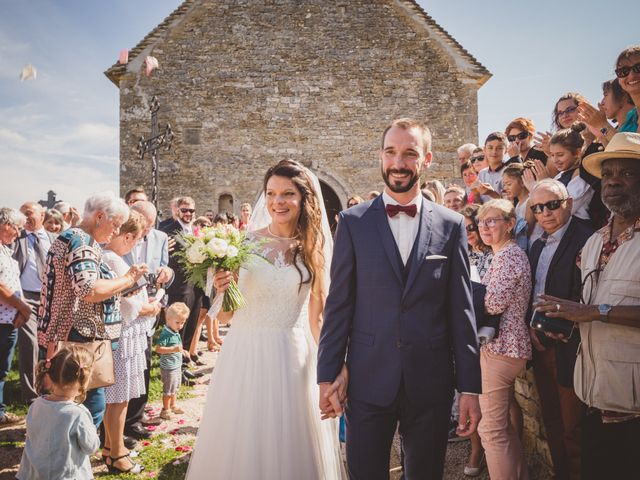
[{"x": 213, "y": 248}]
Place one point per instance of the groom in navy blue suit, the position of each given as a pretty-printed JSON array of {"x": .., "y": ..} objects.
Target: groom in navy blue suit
[{"x": 400, "y": 311}]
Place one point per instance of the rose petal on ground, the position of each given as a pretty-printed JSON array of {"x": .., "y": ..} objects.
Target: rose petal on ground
[
  {"x": 151, "y": 428},
  {"x": 146, "y": 443},
  {"x": 181, "y": 422}
]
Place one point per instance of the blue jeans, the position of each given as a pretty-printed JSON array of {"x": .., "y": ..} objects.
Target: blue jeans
[
  {"x": 8, "y": 339},
  {"x": 95, "y": 400}
]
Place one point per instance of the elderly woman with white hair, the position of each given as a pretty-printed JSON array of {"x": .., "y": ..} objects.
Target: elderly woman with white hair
[
  {"x": 14, "y": 311},
  {"x": 78, "y": 301}
]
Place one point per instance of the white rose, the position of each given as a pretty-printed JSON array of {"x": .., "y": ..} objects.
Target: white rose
[
  {"x": 217, "y": 247},
  {"x": 210, "y": 235},
  {"x": 194, "y": 253},
  {"x": 232, "y": 251}
]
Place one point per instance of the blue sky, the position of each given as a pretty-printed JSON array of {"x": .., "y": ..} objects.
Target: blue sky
[{"x": 60, "y": 131}]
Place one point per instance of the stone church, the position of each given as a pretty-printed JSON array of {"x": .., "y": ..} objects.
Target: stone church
[{"x": 246, "y": 83}]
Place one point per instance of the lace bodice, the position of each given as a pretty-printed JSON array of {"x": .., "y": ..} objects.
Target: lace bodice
[{"x": 270, "y": 283}]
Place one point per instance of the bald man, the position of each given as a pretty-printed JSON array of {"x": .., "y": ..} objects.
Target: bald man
[
  {"x": 30, "y": 251},
  {"x": 152, "y": 250}
]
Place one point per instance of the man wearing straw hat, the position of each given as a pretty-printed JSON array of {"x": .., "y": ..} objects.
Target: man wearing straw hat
[{"x": 607, "y": 372}]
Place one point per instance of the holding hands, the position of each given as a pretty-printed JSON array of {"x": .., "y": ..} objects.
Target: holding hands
[{"x": 333, "y": 396}]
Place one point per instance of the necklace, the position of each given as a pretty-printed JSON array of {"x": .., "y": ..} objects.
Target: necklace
[{"x": 278, "y": 236}]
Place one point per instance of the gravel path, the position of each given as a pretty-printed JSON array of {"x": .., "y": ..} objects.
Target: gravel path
[{"x": 183, "y": 430}]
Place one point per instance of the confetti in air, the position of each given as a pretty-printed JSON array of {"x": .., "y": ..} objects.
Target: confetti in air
[
  {"x": 151, "y": 64},
  {"x": 28, "y": 72}
]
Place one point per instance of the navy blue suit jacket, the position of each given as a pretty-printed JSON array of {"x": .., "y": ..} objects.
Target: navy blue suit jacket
[{"x": 400, "y": 324}]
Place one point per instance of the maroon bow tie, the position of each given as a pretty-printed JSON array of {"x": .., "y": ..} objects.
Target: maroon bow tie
[{"x": 393, "y": 210}]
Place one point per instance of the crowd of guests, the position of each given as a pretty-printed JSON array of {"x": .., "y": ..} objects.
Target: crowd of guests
[{"x": 68, "y": 281}]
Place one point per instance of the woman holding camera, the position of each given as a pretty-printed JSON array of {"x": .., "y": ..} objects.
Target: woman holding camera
[{"x": 138, "y": 315}]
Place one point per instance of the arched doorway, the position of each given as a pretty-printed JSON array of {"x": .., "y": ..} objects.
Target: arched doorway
[
  {"x": 331, "y": 203},
  {"x": 225, "y": 203}
]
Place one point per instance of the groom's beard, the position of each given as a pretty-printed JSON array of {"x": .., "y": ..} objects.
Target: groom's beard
[{"x": 397, "y": 186}]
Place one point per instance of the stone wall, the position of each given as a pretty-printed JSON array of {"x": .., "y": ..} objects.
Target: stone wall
[
  {"x": 534, "y": 437},
  {"x": 245, "y": 84}
]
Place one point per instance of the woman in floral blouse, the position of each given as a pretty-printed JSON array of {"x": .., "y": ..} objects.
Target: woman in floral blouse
[
  {"x": 508, "y": 282},
  {"x": 78, "y": 301}
]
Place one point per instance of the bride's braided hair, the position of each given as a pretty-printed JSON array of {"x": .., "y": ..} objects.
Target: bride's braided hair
[{"x": 309, "y": 229}]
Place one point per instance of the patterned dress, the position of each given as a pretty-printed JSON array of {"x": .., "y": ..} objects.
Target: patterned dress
[
  {"x": 129, "y": 361},
  {"x": 74, "y": 264},
  {"x": 508, "y": 282}
]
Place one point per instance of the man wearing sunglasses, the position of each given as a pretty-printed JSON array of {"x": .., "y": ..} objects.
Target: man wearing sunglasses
[
  {"x": 608, "y": 362},
  {"x": 554, "y": 272},
  {"x": 180, "y": 290},
  {"x": 520, "y": 135}
]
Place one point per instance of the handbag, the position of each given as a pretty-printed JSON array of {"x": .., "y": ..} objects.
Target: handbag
[{"x": 103, "y": 373}]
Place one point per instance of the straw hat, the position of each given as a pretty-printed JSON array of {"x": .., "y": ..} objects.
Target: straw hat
[{"x": 622, "y": 145}]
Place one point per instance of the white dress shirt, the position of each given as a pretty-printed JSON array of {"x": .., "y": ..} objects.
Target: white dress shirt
[
  {"x": 546, "y": 255},
  {"x": 30, "y": 278},
  {"x": 186, "y": 227},
  {"x": 404, "y": 227}
]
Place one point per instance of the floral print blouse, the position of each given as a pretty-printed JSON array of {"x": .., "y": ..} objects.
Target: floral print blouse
[{"x": 508, "y": 282}]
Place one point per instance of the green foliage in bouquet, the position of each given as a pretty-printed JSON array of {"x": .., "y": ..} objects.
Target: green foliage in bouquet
[{"x": 216, "y": 248}]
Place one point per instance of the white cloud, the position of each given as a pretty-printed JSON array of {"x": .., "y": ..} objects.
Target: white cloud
[{"x": 27, "y": 178}]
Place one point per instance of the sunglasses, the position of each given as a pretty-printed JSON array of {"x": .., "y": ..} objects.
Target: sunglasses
[
  {"x": 567, "y": 111},
  {"x": 520, "y": 136},
  {"x": 538, "y": 208},
  {"x": 476, "y": 159},
  {"x": 471, "y": 228},
  {"x": 490, "y": 222},
  {"x": 622, "y": 72},
  {"x": 187, "y": 210}
]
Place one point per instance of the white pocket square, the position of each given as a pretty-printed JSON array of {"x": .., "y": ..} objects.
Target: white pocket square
[{"x": 435, "y": 257}]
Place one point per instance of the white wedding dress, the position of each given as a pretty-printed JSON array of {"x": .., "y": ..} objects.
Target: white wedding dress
[{"x": 261, "y": 419}]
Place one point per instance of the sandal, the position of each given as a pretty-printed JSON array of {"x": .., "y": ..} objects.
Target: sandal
[
  {"x": 135, "y": 467},
  {"x": 195, "y": 359},
  {"x": 213, "y": 347}
]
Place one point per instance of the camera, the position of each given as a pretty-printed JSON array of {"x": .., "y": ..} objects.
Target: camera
[{"x": 151, "y": 279}]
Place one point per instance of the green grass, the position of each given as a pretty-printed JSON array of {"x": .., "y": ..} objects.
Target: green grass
[{"x": 158, "y": 458}]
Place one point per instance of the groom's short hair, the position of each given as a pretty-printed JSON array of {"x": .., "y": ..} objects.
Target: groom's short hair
[{"x": 409, "y": 124}]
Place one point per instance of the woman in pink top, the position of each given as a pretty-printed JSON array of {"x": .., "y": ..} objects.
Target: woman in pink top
[{"x": 508, "y": 282}]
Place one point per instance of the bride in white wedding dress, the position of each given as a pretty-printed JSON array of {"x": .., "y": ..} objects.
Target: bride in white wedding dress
[{"x": 261, "y": 419}]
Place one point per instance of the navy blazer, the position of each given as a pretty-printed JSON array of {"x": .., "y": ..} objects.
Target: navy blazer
[
  {"x": 563, "y": 281},
  {"x": 179, "y": 286},
  {"x": 398, "y": 324}
]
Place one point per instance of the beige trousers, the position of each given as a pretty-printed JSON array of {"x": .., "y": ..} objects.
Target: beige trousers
[{"x": 505, "y": 456}]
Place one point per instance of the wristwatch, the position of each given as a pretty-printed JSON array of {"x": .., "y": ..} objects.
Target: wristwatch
[{"x": 603, "y": 310}]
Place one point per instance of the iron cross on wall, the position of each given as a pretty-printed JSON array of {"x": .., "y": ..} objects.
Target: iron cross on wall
[{"x": 153, "y": 143}]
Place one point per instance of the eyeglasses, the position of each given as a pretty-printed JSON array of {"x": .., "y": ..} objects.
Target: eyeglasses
[
  {"x": 538, "y": 208},
  {"x": 520, "y": 136},
  {"x": 187, "y": 210},
  {"x": 622, "y": 72},
  {"x": 489, "y": 222},
  {"x": 479, "y": 158},
  {"x": 567, "y": 111},
  {"x": 471, "y": 228}
]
